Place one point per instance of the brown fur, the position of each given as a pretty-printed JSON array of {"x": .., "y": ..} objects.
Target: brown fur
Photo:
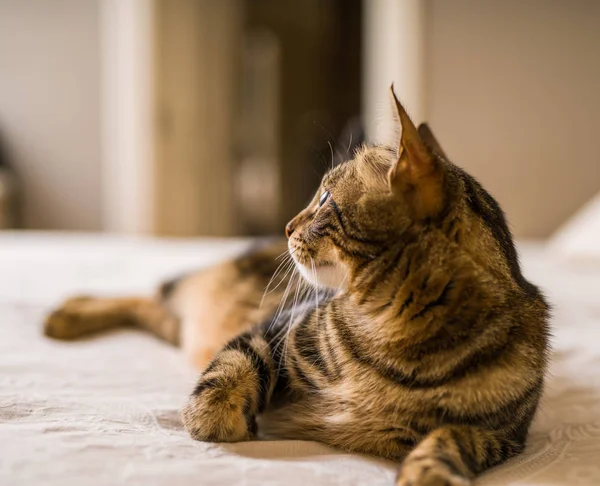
[{"x": 430, "y": 349}]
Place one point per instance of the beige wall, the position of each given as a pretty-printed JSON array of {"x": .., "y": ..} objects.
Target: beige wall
[
  {"x": 512, "y": 92},
  {"x": 514, "y": 96},
  {"x": 50, "y": 108}
]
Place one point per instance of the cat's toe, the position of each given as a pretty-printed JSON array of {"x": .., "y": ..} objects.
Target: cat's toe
[
  {"x": 59, "y": 325},
  {"x": 210, "y": 420},
  {"x": 430, "y": 472},
  {"x": 65, "y": 321}
]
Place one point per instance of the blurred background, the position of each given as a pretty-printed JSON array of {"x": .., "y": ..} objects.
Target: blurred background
[{"x": 218, "y": 117}]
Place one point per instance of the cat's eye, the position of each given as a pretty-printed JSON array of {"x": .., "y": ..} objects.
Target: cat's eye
[{"x": 323, "y": 198}]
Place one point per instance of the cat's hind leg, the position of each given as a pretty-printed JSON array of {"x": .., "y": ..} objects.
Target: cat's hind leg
[{"x": 84, "y": 315}]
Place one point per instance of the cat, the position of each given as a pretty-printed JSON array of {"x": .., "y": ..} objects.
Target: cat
[{"x": 422, "y": 342}]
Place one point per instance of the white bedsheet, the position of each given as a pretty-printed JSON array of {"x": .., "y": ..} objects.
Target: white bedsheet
[{"x": 105, "y": 410}]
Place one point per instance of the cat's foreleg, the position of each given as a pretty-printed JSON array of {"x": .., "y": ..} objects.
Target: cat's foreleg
[
  {"x": 454, "y": 455},
  {"x": 234, "y": 388}
]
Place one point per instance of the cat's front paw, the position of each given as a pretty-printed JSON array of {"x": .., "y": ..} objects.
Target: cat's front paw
[
  {"x": 430, "y": 472},
  {"x": 217, "y": 414}
]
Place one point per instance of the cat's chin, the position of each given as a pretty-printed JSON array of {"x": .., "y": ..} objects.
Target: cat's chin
[{"x": 327, "y": 275}]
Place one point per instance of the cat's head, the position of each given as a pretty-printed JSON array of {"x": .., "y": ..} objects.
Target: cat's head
[{"x": 367, "y": 204}]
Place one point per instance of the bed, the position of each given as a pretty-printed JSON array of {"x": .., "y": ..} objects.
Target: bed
[{"x": 105, "y": 410}]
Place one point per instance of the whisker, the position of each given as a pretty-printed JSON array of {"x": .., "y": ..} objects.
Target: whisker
[
  {"x": 282, "y": 265},
  {"x": 289, "y": 266},
  {"x": 344, "y": 280},
  {"x": 302, "y": 291},
  {"x": 349, "y": 144},
  {"x": 332, "y": 156},
  {"x": 285, "y": 330},
  {"x": 329, "y": 137},
  {"x": 286, "y": 252},
  {"x": 291, "y": 321},
  {"x": 314, "y": 272},
  {"x": 281, "y": 306},
  {"x": 277, "y": 272}
]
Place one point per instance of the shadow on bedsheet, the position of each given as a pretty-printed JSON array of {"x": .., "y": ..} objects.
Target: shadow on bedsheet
[{"x": 170, "y": 421}]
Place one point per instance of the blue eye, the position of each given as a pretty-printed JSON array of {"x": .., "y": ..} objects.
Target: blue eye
[{"x": 323, "y": 198}]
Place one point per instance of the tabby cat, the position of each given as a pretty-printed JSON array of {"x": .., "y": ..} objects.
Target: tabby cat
[{"x": 422, "y": 342}]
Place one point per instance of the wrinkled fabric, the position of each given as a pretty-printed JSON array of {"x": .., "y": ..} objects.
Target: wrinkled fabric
[{"x": 104, "y": 410}]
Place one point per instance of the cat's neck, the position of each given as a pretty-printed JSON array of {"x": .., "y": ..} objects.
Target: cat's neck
[{"x": 409, "y": 292}]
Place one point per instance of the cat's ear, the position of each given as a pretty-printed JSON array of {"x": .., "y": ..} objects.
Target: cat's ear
[
  {"x": 429, "y": 138},
  {"x": 415, "y": 173}
]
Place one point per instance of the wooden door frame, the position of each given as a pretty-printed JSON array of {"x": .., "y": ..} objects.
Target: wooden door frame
[
  {"x": 394, "y": 51},
  {"x": 168, "y": 108},
  {"x": 127, "y": 56}
]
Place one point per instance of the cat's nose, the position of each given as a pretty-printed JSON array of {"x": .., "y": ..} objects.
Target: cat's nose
[{"x": 289, "y": 229}]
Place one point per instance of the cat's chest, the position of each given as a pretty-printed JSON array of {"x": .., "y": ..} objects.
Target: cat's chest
[{"x": 364, "y": 399}]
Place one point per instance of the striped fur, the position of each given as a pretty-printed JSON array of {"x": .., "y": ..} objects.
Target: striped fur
[{"x": 424, "y": 343}]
